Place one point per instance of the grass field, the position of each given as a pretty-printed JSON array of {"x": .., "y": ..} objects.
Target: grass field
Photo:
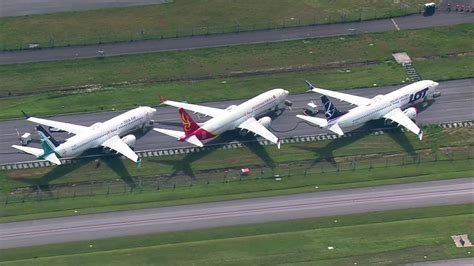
[
  {"x": 185, "y": 18},
  {"x": 217, "y": 89},
  {"x": 446, "y": 68},
  {"x": 382, "y": 238},
  {"x": 209, "y": 186},
  {"x": 118, "y": 97},
  {"x": 227, "y": 61}
]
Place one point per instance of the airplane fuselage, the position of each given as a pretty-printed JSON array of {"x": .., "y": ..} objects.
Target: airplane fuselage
[
  {"x": 401, "y": 98},
  {"x": 100, "y": 132},
  {"x": 257, "y": 106}
]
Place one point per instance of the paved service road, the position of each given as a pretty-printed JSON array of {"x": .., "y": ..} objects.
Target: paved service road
[
  {"x": 452, "y": 262},
  {"x": 89, "y": 51},
  {"x": 455, "y": 104},
  {"x": 9, "y": 8},
  {"x": 226, "y": 213}
]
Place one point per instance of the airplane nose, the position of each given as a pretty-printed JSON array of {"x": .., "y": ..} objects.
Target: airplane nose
[{"x": 435, "y": 84}]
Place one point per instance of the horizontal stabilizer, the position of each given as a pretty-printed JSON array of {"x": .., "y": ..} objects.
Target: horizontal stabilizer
[
  {"x": 194, "y": 140},
  {"x": 33, "y": 151},
  {"x": 169, "y": 132},
  {"x": 53, "y": 158},
  {"x": 39, "y": 153},
  {"x": 314, "y": 120},
  {"x": 180, "y": 136},
  {"x": 336, "y": 129}
]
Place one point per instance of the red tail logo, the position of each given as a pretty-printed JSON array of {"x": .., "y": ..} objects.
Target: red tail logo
[{"x": 189, "y": 126}]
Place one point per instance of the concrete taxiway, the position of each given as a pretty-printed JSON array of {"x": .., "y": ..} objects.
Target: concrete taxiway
[
  {"x": 227, "y": 213},
  {"x": 183, "y": 43},
  {"x": 455, "y": 104},
  {"x": 9, "y": 8}
]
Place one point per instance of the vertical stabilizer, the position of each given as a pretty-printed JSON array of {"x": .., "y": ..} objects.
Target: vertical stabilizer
[
  {"x": 48, "y": 143},
  {"x": 331, "y": 111},
  {"x": 189, "y": 126}
]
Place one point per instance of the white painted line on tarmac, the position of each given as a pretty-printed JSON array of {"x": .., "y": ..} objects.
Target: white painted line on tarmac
[{"x": 395, "y": 24}]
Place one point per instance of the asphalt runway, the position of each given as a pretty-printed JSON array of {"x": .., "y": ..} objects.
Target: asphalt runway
[
  {"x": 10, "y": 8},
  {"x": 236, "y": 212},
  {"x": 183, "y": 43},
  {"x": 455, "y": 104}
]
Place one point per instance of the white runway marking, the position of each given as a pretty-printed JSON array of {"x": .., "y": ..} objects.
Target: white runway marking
[{"x": 395, "y": 24}]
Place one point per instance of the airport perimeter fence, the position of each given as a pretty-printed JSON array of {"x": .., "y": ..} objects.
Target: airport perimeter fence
[
  {"x": 116, "y": 36},
  {"x": 309, "y": 172}
]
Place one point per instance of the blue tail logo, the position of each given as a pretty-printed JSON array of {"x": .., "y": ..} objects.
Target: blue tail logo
[
  {"x": 48, "y": 143},
  {"x": 331, "y": 111}
]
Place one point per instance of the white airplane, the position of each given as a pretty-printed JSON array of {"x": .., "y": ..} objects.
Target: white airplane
[
  {"x": 107, "y": 134},
  {"x": 390, "y": 106},
  {"x": 235, "y": 116}
]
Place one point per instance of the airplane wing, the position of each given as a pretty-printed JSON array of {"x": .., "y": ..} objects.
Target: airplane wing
[
  {"x": 254, "y": 126},
  {"x": 116, "y": 144},
  {"x": 71, "y": 128},
  {"x": 209, "y": 111},
  {"x": 399, "y": 117},
  {"x": 352, "y": 99}
]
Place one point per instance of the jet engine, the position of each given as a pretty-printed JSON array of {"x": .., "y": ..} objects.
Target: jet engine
[
  {"x": 265, "y": 121},
  {"x": 230, "y": 108},
  {"x": 410, "y": 112},
  {"x": 129, "y": 140},
  {"x": 288, "y": 103}
]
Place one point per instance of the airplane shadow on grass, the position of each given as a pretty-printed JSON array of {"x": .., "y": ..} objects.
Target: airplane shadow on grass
[
  {"x": 184, "y": 165},
  {"x": 325, "y": 154},
  {"x": 43, "y": 184},
  {"x": 112, "y": 161},
  {"x": 249, "y": 141}
]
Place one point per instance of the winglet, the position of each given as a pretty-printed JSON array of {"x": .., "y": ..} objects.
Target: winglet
[
  {"x": 162, "y": 98},
  {"x": 278, "y": 143},
  {"x": 25, "y": 114},
  {"x": 420, "y": 135},
  {"x": 310, "y": 86},
  {"x": 139, "y": 163}
]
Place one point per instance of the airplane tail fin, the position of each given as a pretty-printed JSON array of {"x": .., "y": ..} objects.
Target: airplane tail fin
[
  {"x": 47, "y": 144},
  {"x": 47, "y": 141},
  {"x": 189, "y": 126},
  {"x": 331, "y": 111}
]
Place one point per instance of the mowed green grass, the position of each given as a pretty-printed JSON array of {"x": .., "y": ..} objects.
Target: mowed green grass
[
  {"x": 446, "y": 68},
  {"x": 186, "y": 17},
  {"x": 225, "y": 61},
  {"x": 269, "y": 156},
  {"x": 217, "y": 89},
  {"x": 382, "y": 238},
  {"x": 301, "y": 179},
  {"x": 66, "y": 205}
]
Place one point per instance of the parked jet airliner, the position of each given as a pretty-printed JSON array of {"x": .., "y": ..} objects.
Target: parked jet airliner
[
  {"x": 390, "y": 106},
  {"x": 107, "y": 134},
  {"x": 235, "y": 116}
]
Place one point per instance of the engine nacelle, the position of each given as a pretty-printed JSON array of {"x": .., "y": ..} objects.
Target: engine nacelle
[
  {"x": 288, "y": 103},
  {"x": 410, "y": 112},
  {"x": 230, "y": 108},
  {"x": 265, "y": 121},
  {"x": 129, "y": 140}
]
